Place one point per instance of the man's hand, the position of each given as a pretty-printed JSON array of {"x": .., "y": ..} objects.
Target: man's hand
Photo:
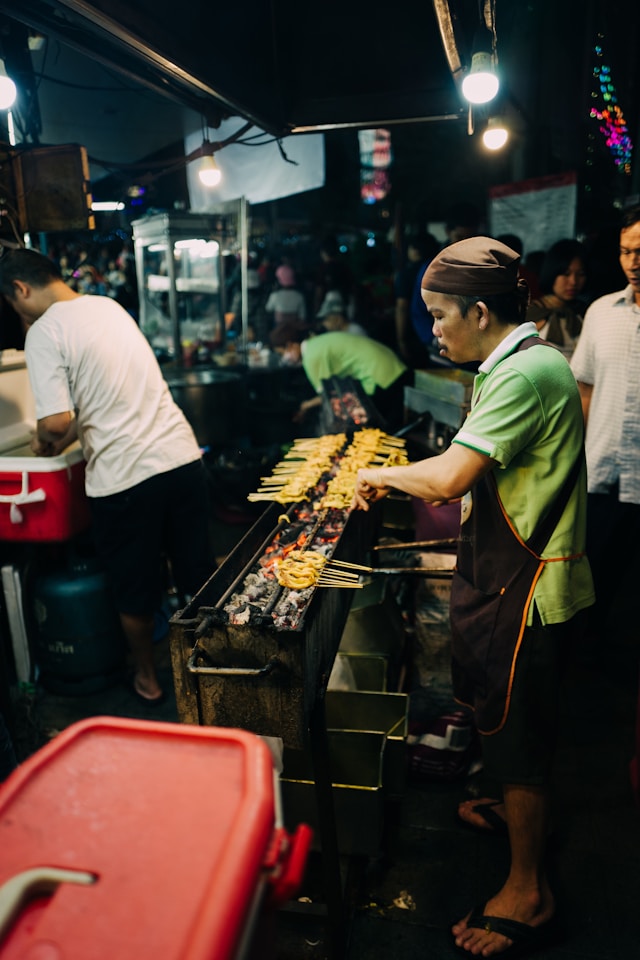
[
  {"x": 305, "y": 407},
  {"x": 42, "y": 448},
  {"x": 369, "y": 488}
]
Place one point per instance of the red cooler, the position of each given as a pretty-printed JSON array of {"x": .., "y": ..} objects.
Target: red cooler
[
  {"x": 143, "y": 840},
  {"x": 42, "y": 499}
]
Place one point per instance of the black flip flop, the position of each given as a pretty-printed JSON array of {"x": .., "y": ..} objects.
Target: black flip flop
[{"x": 525, "y": 938}]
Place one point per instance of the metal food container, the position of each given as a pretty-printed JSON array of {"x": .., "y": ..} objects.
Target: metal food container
[
  {"x": 358, "y": 671},
  {"x": 375, "y": 627},
  {"x": 356, "y": 761},
  {"x": 386, "y": 713}
]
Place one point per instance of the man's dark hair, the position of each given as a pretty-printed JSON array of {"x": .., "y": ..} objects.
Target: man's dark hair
[
  {"x": 509, "y": 307},
  {"x": 291, "y": 331},
  {"x": 29, "y": 266},
  {"x": 425, "y": 243},
  {"x": 630, "y": 216}
]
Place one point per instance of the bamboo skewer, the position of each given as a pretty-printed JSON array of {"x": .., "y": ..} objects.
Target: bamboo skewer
[
  {"x": 438, "y": 572},
  {"x": 444, "y": 542},
  {"x": 349, "y": 585},
  {"x": 345, "y": 563}
]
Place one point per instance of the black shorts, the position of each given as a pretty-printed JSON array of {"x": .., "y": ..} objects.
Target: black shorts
[
  {"x": 134, "y": 530},
  {"x": 522, "y": 751}
]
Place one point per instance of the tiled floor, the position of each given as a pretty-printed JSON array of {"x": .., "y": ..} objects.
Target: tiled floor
[{"x": 435, "y": 869}]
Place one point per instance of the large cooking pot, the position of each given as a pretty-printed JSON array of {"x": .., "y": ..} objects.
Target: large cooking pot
[{"x": 213, "y": 402}]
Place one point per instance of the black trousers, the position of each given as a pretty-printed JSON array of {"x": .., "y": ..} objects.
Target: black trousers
[{"x": 613, "y": 548}]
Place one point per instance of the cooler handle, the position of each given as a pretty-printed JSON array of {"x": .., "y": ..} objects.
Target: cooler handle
[
  {"x": 35, "y": 496},
  {"x": 289, "y": 860},
  {"x": 39, "y": 881},
  {"x": 264, "y": 671}
]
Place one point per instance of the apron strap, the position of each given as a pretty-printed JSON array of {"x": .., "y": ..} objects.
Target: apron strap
[{"x": 540, "y": 537}]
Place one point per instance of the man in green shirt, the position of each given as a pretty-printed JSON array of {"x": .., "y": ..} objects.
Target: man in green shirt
[
  {"x": 379, "y": 370},
  {"x": 517, "y": 463}
]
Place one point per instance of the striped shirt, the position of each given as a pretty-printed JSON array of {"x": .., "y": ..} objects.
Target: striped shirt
[{"x": 608, "y": 357}]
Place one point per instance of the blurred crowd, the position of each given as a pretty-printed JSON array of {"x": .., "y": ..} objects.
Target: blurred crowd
[
  {"x": 99, "y": 269},
  {"x": 364, "y": 285}
]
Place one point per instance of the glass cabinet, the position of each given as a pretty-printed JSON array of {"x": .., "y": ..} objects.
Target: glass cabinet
[{"x": 180, "y": 283}]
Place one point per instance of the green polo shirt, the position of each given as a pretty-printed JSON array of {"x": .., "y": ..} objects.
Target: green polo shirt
[
  {"x": 342, "y": 354},
  {"x": 526, "y": 414}
]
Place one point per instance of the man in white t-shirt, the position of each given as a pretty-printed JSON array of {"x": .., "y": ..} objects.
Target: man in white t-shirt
[{"x": 95, "y": 378}]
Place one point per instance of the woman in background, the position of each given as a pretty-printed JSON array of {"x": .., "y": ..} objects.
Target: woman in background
[
  {"x": 287, "y": 303},
  {"x": 559, "y": 311}
]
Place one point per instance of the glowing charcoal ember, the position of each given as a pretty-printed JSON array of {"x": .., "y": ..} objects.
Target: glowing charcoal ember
[{"x": 348, "y": 406}]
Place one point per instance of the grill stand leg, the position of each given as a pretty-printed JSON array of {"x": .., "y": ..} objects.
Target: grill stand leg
[{"x": 334, "y": 898}]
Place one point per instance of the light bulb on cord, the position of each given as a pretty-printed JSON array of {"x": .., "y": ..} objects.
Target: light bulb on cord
[
  {"x": 496, "y": 134},
  {"x": 481, "y": 83},
  {"x": 209, "y": 172}
]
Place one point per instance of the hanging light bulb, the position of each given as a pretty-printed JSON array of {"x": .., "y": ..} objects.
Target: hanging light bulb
[
  {"x": 8, "y": 90},
  {"x": 209, "y": 172},
  {"x": 496, "y": 134},
  {"x": 481, "y": 83}
]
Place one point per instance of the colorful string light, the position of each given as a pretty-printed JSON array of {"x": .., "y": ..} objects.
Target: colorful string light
[
  {"x": 609, "y": 115},
  {"x": 376, "y": 156}
]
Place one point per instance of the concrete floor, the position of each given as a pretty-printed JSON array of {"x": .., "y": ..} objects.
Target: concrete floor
[{"x": 432, "y": 869}]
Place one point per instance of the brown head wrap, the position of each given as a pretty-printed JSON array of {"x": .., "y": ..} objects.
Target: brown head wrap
[{"x": 475, "y": 267}]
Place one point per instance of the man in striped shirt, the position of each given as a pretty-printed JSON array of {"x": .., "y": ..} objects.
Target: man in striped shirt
[{"x": 606, "y": 364}]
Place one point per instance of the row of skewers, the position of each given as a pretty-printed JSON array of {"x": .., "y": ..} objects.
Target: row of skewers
[
  {"x": 307, "y": 568},
  {"x": 294, "y": 478}
]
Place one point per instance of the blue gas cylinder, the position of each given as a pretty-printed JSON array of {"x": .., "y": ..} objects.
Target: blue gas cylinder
[{"x": 79, "y": 646}]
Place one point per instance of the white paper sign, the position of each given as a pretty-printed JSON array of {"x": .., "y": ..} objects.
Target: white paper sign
[{"x": 539, "y": 211}]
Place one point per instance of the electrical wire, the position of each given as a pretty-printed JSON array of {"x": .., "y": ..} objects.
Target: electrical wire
[{"x": 164, "y": 167}]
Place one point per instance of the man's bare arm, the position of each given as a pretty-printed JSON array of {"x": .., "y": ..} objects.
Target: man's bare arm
[
  {"x": 54, "y": 434},
  {"x": 438, "y": 479}
]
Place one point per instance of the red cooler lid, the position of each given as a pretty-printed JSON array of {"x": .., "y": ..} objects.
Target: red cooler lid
[{"x": 161, "y": 830}]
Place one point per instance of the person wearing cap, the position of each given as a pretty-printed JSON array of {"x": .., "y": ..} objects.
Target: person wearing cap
[
  {"x": 522, "y": 575},
  {"x": 333, "y": 316},
  {"x": 286, "y": 303}
]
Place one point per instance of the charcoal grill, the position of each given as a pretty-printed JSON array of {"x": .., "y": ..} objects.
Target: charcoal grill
[{"x": 265, "y": 675}]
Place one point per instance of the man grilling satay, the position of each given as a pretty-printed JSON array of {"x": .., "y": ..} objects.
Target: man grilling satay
[{"x": 522, "y": 574}]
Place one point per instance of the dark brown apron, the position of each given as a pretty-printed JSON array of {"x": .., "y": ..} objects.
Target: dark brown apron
[{"x": 491, "y": 591}]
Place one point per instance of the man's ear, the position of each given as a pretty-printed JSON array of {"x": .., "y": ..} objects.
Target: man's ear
[
  {"x": 19, "y": 287},
  {"x": 483, "y": 314}
]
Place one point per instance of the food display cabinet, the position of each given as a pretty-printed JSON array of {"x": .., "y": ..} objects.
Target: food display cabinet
[{"x": 180, "y": 282}]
